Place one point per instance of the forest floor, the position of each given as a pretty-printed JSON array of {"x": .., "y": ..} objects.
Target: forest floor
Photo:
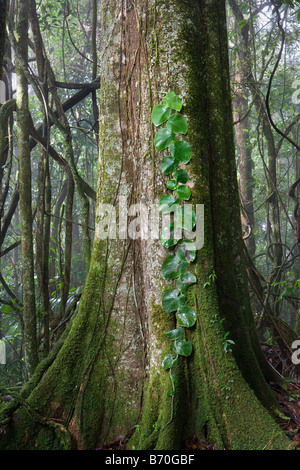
[
  {"x": 288, "y": 418},
  {"x": 288, "y": 396}
]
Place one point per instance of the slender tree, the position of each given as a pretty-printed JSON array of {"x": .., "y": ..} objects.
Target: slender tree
[
  {"x": 29, "y": 313},
  {"x": 242, "y": 124},
  {"x": 2, "y": 43},
  {"x": 272, "y": 203},
  {"x": 105, "y": 374},
  {"x": 3, "y": 5}
]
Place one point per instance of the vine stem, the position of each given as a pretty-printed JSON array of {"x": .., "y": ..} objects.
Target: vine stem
[
  {"x": 181, "y": 153},
  {"x": 173, "y": 396}
]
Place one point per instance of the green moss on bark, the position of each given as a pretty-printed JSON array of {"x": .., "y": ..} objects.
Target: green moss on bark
[
  {"x": 3, "y": 8},
  {"x": 220, "y": 401}
]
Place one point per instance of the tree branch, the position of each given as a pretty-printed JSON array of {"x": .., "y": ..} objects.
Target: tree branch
[{"x": 285, "y": 136}]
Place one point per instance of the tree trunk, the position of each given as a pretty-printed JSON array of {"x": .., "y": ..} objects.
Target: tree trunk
[
  {"x": 242, "y": 125},
  {"x": 29, "y": 313},
  {"x": 106, "y": 376},
  {"x": 3, "y": 8},
  {"x": 273, "y": 203}
]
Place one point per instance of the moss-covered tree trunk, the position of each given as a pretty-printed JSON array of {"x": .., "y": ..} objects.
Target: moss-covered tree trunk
[
  {"x": 241, "y": 119},
  {"x": 3, "y": 8},
  {"x": 105, "y": 375},
  {"x": 29, "y": 313},
  {"x": 273, "y": 203}
]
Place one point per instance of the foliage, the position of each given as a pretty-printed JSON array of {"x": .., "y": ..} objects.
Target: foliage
[
  {"x": 176, "y": 265},
  {"x": 66, "y": 43}
]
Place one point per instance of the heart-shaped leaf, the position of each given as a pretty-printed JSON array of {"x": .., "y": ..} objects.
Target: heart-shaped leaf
[
  {"x": 170, "y": 267},
  {"x": 188, "y": 278},
  {"x": 183, "y": 192},
  {"x": 173, "y": 267},
  {"x": 183, "y": 287},
  {"x": 186, "y": 250},
  {"x": 169, "y": 361},
  {"x": 181, "y": 176},
  {"x": 170, "y": 300},
  {"x": 169, "y": 164},
  {"x": 166, "y": 203},
  {"x": 183, "y": 347},
  {"x": 172, "y": 184},
  {"x": 163, "y": 138},
  {"x": 167, "y": 236},
  {"x": 181, "y": 150},
  {"x": 160, "y": 114},
  {"x": 177, "y": 123},
  {"x": 186, "y": 316},
  {"x": 175, "y": 334},
  {"x": 173, "y": 101}
]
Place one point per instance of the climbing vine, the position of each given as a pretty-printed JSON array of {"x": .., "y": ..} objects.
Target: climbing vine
[{"x": 181, "y": 217}]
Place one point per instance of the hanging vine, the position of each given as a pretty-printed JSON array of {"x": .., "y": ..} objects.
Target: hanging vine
[{"x": 181, "y": 218}]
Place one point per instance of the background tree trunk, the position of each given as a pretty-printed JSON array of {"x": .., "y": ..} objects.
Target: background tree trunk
[
  {"x": 107, "y": 375},
  {"x": 2, "y": 44},
  {"x": 29, "y": 312},
  {"x": 3, "y": 8},
  {"x": 242, "y": 126}
]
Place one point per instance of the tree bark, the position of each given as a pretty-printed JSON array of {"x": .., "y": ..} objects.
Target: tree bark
[
  {"x": 241, "y": 119},
  {"x": 272, "y": 204},
  {"x": 29, "y": 313},
  {"x": 107, "y": 376},
  {"x": 3, "y": 8}
]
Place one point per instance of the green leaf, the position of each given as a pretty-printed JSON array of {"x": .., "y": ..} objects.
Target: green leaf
[
  {"x": 181, "y": 176},
  {"x": 183, "y": 347},
  {"x": 166, "y": 203},
  {"x": 185, "y": 280},
  {"x": 183, "y": 192},
  {"x": 177, "y": 123},
  {"x": 160, "y": 114},
  {"x": 186, "y": 250},
  {"x": 167, "y": 236},
  {"x": 188, "y": 278},
  {"x": 181, "y": 150},
  {"x": 186, "y": 218},
  {"x": 181, "y": 286},
  {"x": 172, "y": 184},
  {"x": 186, "y": 316},
  {"x": 169, "y": 164},
  {"x": 170, "y": 267},
  {"x": 175, "y": 334},
  {"x": 163, "y": 139},
  {"x": 170, "y": 300},
  {"x": 173, "y": 101},
  {"x": 181, "y": 300},
  {"x": 173, "y": 267},
  {"x": 169, "y": 361}
]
